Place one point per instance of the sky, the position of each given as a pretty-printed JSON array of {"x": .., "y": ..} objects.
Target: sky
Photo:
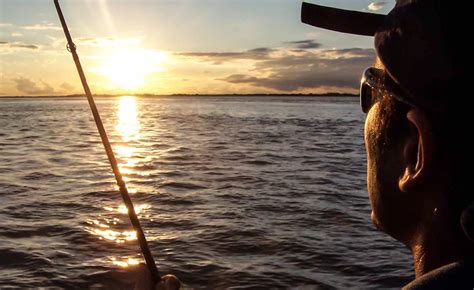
[{"x": 179, "y": 46}]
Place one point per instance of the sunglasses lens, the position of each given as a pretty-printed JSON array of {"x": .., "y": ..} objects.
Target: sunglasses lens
[{"x": 365, "y": 98}]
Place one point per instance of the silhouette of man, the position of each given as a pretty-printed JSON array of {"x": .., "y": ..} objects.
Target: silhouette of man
[{"x": 415, "y": 133}]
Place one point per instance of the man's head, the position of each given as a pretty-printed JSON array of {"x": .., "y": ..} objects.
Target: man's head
[
  {"x": 416, "y": 162},
  {"x": 401, "y": 164},
  {"x": 415, "y": 127}
]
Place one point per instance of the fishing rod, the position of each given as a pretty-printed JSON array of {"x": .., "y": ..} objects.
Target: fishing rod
[{"x": 150, "y": 262}]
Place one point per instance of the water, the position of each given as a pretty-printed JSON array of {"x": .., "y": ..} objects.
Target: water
[{"x": 233, "y": 192}]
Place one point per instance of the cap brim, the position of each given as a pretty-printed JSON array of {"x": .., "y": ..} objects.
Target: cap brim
[{"x": 347, "y": 21}]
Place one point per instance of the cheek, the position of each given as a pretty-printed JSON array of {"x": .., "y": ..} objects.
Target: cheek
[
  {"x": 389, "y": 206},
  {"x": 372, "y": 137},
  {"x": 370, "y": 134}
]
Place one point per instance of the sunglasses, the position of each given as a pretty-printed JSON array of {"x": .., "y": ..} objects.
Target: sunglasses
[{"x": 376, "y": 83}]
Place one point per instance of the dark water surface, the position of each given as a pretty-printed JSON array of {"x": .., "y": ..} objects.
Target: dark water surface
[{"x": 233, "y": 193}]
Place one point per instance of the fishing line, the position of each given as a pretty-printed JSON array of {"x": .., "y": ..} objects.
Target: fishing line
[{"x": 110, "y": 154}]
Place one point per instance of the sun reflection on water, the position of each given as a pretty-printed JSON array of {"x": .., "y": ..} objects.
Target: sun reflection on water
[
  {"x": 113, "y": 226},
  {"x": 124, "y": 262},
  {"x": 105, "y": 232},
  {"x": 128, "y": 125},
  {"x": 124, "y": 210}
]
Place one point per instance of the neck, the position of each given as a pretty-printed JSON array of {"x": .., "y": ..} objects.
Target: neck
[{"x": 439, "y": 242}]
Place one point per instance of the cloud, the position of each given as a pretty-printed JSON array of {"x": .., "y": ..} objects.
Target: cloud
[
  {"x": 67, "y": 87},
  {"x": 43, "y": 26},
  {"x": 300, "y": 67},
  {"x": 6, "y": 24},
  {"x": 16, "y": 34},
  {"x": 13, "y": 45},
  {"x": 304, "y": 44},
  {"x": 347, "y": 53},
  {"x": 29, "y": 87},
  {"x": 375, "y": 6},
  {"x": 258, "y": 54},
  {"x": 220, "y": 57},
  {"x": 307, "y": 70}
]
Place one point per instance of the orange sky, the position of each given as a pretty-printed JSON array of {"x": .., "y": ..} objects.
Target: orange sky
[{"x": 182, "y": 46}]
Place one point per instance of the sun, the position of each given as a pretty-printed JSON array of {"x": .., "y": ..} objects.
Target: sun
[{"x": 127, "y": 68}]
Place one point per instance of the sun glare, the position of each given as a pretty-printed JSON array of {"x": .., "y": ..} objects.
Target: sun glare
[{"x": 127, "y": 68}]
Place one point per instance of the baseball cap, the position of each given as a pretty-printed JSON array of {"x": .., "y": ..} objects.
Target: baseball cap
[{"x": 417, "y": 42}]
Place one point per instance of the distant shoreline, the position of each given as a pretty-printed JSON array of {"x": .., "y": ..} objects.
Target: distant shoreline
[{"x": 190, "y": 95}]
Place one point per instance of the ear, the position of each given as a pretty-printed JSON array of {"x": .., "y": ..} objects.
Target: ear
[{"x": 417, "y": 151}]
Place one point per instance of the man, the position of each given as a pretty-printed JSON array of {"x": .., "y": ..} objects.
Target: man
[
  {"x": 415, "y": 133},
  {"x": 416, "y": 172}
]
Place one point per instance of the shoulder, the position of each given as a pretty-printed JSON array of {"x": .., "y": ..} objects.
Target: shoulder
[{"x": 457, "y": 275}]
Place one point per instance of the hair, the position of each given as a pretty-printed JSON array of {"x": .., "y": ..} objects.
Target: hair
[
  {"x": 452, "y": 151},
  {"x": 392, "y": 113},
  {"x": 392, "y": 120}
]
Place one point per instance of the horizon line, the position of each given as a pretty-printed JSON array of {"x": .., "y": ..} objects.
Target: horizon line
[{"x": 328, "y": 94}]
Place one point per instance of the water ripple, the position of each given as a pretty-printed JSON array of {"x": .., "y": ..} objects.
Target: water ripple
[{"x": 233, "y": 193}]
